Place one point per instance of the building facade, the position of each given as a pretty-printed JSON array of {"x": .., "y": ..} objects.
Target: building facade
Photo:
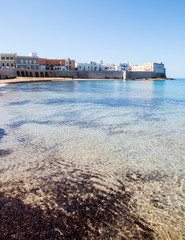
[
  {"x": 121, "y": 67},
  {"x": 154, "y": 67},
  {"x": 107, "y": 67},
  {"x": 89, "y": 66},
  {"x": 149, "y": 67},
  {"x": 56, "y": 64},
  {"x": 138, "y": 68},
  {"x": 93, "y": 66},
  {"x": 27, "y": 62},
  {"x": 69, "y": 64},
  {"x": 8, "y": 60},
  {"x": 51, "y": 64}
]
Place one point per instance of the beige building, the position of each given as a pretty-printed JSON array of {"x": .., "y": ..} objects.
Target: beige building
[
  {"x": 28, "y": 62},
  {"x": 138, "y": 68},
  {"x": 69, "y": 64},
  {"x": 8, "y": 60},
  {"x": 149, "y": 67},
  {"x": 154, "y": 67}
]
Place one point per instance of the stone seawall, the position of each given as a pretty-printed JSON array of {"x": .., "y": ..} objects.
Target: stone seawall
[
  {"x": 91, "y": 74},
  {"x": 109, "y": 74},
  {"x": 138, "y": 75},
  {"x": 12, "y": 73},
  {"x": 6, "y": 73}
]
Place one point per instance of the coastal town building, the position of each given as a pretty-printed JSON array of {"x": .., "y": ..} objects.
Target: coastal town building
[
  {"x": 27, "y": 62},
  {"x": 154, "y": 67},
  {"x": 94, "y": 66},
  {"x": 8, "y": 60},
  {"x": 138, "y": 68},
  {"x": 56, "y": 64},
  {"x": 89, "y": 66},
  {"x": 149, "y": 67},
  {"x": 70, "y": 64},
  {"x": 107, "y": 67},
  {"x": 122, "y": 66},
  {"x": 51, "y": 64}
]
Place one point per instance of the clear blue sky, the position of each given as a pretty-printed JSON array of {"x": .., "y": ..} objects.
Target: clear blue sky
[{"x": 113, "y": 30}]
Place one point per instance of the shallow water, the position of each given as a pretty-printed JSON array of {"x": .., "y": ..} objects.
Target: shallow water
[{"x": 107, "y": 154}]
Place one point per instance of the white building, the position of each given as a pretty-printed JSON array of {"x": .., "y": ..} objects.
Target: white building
[
  {"x": 122, "y": 67},
  {"x": 89, "y": 66},
  {"x": 93, "y": 66},
  {"x": 108, "y": 67}
]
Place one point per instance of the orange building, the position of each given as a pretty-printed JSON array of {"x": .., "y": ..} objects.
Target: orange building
[
  {"x": 52, "y": 63},
  {"x": 56, "y": 64}
]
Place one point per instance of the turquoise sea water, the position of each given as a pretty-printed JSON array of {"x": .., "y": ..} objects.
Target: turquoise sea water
[{"x": 122, "y": 137}]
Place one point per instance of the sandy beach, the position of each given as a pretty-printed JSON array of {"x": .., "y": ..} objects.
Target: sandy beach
[
  {"x": 53, "y": 79},
  {"x": 44, "y": 79}
]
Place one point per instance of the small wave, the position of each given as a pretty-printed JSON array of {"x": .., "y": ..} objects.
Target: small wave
[{"x": 3, "y": 85}]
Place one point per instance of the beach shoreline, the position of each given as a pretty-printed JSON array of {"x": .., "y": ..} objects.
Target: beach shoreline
[{"x": 61, "y": 79}]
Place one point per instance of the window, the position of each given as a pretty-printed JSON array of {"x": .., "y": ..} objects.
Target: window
[
  {"x": 7, "y": 58},
  {"x": 2, "y": 58},
  {"x": 26, "y": 61},
  {"x": 34, "y": 67},
  {"x": 12, "y": 64},
  {"x": 22, "y": 61},
  {"x": 11, "y": 58},
  {"x": 7, "y": 64},
  {"x": 35, "y": 62},
  {"x": 30, "y": 61},
  {"x": 3, "y": 64}
]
